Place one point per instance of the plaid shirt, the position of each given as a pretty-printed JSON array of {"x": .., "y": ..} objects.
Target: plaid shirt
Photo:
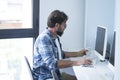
[{"x": 45, "y": 56}]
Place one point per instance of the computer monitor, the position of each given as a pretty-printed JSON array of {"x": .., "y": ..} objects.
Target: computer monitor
[
  {"x": 112, "y": 53},
  {"x": 101, "y": 42},
  {"x": 111, "y": 63}
]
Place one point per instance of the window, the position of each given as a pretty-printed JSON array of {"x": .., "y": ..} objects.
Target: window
[
  {"x": 19, "y": 27},
  {"x": 12, "y": 52}
]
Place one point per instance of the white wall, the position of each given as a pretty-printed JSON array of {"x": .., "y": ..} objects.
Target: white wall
[
  {"x": 98, "y": 12},
  {"x": 117, "y": 49},
  {"x": 117, "y": 55},
  {"x": 73, "y": 38}
]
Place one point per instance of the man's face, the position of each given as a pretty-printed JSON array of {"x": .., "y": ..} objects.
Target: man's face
[{"x": 61, "y": 28}]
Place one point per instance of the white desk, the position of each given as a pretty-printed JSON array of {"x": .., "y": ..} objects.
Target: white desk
[{"x": 100, "y": 71}]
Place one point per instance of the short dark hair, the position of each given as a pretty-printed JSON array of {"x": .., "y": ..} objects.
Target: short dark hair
[{"x": 56, "y": 16}]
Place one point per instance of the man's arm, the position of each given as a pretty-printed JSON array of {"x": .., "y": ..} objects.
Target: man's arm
[
  {"x": 68, "y": 63},
  {"x": 75, "y": 54}
]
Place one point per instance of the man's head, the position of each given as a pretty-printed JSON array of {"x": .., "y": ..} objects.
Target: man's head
[{"x": 57, "y": 20}]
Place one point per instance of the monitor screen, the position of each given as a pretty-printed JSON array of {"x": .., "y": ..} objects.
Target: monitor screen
[
  {"x": 112, "y": 54},
  {"x": 101, "y": 41}
]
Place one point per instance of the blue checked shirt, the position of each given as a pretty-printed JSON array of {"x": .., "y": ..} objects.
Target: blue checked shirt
[{"x": 45, "y": 56}]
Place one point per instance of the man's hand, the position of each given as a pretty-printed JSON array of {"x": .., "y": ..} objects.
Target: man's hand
[
  {"x": 84, "y": 61},
  {"x": 82, "y": 52}
]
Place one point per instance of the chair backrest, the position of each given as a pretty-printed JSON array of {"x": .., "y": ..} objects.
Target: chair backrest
[
  {"x": 29, "y": 68},
  {"x": 54, "y": 74}
]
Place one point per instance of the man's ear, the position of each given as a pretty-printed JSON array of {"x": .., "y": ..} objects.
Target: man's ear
[{"x": 57, "y": 25}]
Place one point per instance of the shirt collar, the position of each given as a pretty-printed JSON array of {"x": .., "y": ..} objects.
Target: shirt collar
[{"x": 49, "y": 33}]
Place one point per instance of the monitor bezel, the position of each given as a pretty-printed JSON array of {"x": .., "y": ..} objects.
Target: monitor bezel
[
  {"x": 113, "y": 46},
  {"x": 102, "y": 57}
]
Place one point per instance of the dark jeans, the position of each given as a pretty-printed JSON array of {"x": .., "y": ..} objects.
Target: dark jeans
[{"x": 66, "y": 76}]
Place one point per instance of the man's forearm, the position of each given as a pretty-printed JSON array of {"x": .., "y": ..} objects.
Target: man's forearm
[
  {"x": 71, "y": 54},
  {"x": 66, "y": 63},
  {"x": 75, "y": 54}
]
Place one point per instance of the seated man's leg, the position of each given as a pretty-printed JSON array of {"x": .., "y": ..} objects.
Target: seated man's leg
[{"x": 66, "y": 76}]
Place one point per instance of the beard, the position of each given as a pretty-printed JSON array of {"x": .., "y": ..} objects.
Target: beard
[{"x": 60, "y": 33}]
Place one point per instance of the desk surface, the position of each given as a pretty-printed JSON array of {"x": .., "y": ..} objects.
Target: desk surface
[{"x": 100, "y": 71}]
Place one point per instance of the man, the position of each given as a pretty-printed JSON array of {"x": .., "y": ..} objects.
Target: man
[{"x": 46, "y": 57}]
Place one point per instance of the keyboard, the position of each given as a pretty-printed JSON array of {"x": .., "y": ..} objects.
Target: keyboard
[{"x": 88, "y": 65}]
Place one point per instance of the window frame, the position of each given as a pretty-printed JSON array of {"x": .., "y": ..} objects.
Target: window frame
[{"x": 27, "y": 32}]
